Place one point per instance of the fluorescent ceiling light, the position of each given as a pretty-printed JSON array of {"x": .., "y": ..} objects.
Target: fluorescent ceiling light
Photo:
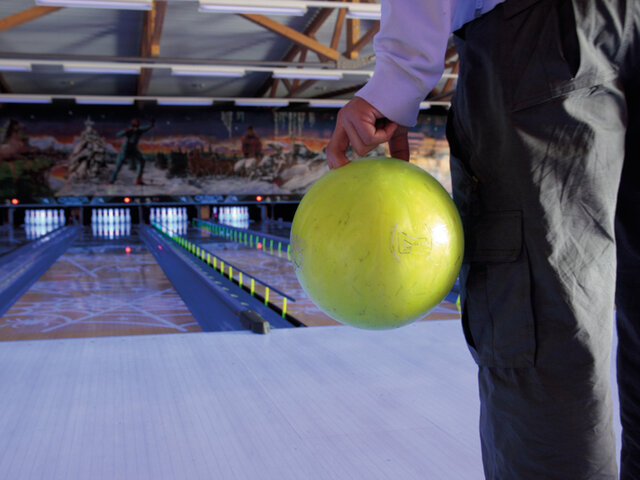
[
  {"x": 366, "y": 73},
  {"x": 103, "y": 67},
  {"x": 25, "y": 99},
  {"x": 117, "y": 4},
  {"x": 273, "y": 7},
  {"x": 364, "y": 11},
  {"x": 261, "y": 102},
  {"x": 106, "y": 100},
  {"x": 307, "y": 73},
  {"x": 327, "y": 103},
  {"x": 206, "y": 71},
  {"x": 184, "y": 101},
  {"x": 15, "y": 66}
]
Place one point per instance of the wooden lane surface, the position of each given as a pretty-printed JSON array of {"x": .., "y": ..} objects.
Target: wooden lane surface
[{"x": 99, "y": 291}]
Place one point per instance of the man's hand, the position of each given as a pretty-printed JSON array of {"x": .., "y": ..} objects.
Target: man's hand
[{"x": 360, "y": 124}]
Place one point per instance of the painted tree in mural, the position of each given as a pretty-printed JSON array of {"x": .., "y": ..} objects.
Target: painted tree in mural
[
  {"x": 88, "y": 159},
  {"x": 227, "y": 121}
]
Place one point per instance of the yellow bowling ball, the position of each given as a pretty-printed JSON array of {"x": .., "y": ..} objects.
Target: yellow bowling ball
[{"x": 376, "y": 244}]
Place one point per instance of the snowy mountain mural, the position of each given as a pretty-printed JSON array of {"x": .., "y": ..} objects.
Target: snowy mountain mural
[{"x": 186, "y": 152}]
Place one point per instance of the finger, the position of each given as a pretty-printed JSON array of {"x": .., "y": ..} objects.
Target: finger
[
  {"x": 399, "y": 144},
  {"x": 359, "y": 146},
  {"x": 374, "y": 131},
  {"x": 338, "y": 145},
  {"x": 390, "y": 130},
  {"x": 383, "y": 130}
]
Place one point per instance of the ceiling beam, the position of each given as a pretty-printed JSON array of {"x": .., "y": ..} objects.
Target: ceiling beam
[
  {"x": 353, "y": 35},
  {"x": 317, "y": 22},
  {"x": 337, "y": 29},
  {"x": 302, "y": 87},
  {"x": 355, "y": 42},
  {"x": 150, "y": 42},
  {"x": 310, "y": 31},
  {"x": 152, "y": 29},
  {"x": 314, "y": 26},
  {"x": 25, "y": 16},
  {"x": 296, "y": 82},
  {"x": 287, "y": 83},
  {"x": 354, "y": 47},
  {"x": 273, "y": 83},
  {"x": 293, "y": 35},
  {"x": 366, "y": 38},
  {"x": 290, "y": 86}
]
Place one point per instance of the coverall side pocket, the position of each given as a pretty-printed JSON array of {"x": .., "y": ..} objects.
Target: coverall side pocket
[{"x": 498, "y": 315}]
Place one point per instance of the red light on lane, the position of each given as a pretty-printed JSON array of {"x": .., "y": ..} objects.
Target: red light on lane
[
  {"x": 127, "y": 200},
  {"x": 259, "y": 198},
  {"x": 15, "y": 201},
  {"x": 127, "y": 249},
  {"x": 159, "y": 247},
  {"x": 259, "y": 245}
]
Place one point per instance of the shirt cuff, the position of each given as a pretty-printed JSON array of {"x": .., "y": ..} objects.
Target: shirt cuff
[{"x": 395, "y": 94}]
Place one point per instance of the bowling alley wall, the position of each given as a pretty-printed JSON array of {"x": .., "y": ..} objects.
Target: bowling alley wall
[{"x": 59, "y": 150}]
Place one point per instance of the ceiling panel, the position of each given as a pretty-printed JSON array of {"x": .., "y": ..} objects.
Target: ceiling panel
[{"x": 184, "y": 36}]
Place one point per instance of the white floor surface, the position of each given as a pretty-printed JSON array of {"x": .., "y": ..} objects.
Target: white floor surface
[{"x": 312, "y": 403}]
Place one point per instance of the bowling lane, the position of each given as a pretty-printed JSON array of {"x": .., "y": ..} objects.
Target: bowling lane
[
  {"x": 280, "y": 229},
  {"x": 11, "y": 238},
  {"x": 271, "y": 269},
  {"x": 99, "y": 288},
  {"x": 276, "y": 270},
  {"x": 36, "y": 224}
]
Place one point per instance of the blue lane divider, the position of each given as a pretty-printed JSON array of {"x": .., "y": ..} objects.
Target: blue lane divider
[
  {"x": 22, "y": 267},
  {"x": 234, "y": 275}
]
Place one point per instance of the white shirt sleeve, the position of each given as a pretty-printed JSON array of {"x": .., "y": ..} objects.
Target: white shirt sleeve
[{"x": 410, "y": 52}]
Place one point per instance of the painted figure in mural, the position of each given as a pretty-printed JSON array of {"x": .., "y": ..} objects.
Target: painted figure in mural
[
  {"x": 544, "y": 132},
  {"x": 251, "y": 153},
  {"x": 130, "y": 149},
  {"x": 251, "y": 144}
]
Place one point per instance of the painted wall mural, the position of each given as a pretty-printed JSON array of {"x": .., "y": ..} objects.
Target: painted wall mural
[{"x": 56, "y": 151}]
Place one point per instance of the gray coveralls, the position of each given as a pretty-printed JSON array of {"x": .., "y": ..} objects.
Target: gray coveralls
[{"x": 544, "y": 121}]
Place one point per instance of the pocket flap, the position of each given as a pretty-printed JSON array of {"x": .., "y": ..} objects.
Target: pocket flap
[{"x": 493, "y": 237}]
